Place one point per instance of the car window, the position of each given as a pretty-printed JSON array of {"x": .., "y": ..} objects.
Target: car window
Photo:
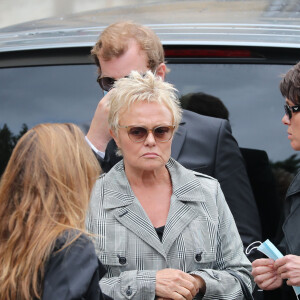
[
  {"x": 251, "y": 94},
  {"x": 70, "y": 93},
  {"x": 33, "y": 95}
]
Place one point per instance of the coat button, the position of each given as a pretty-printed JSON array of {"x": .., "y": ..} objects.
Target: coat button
[
  {"x": 129, "y": 291},
  {"x": 198, "y": 256},
  {"x": 122, "y": 260}
]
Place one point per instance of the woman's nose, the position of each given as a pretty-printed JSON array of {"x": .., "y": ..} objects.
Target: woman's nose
[
  {"x": 285, "y": 120},
  {"x": 150, "y": 140}
]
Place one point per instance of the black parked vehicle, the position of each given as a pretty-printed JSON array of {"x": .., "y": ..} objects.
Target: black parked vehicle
[{"x": 234, "y": 50}]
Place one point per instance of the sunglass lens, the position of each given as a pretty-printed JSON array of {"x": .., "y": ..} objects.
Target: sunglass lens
[
  {"x": 137, "y": 133},
  {"x": 288, "y": 111},
  {"x": 162, "y": 133},
  {"x": 106, "y": 83}
]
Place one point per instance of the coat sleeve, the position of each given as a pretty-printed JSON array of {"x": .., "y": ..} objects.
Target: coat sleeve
[
  {"x": 231, "y": 173},
  {"x": 230, "y": 256},
  {"x": 139, "y": 285},
  {"x": 74, "y": 272}
]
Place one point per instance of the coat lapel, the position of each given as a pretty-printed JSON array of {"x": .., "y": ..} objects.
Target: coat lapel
[
  {"x": 127, "y": 209},
  {"x": 180, "y": 215},
  {"x": 135, "y": 219},
  {"x": 294, "y": 186},
  {"x": 187, "y": 191}
]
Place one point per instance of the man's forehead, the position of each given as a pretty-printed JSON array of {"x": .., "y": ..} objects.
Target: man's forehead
[{"x": 132, "y": 59}]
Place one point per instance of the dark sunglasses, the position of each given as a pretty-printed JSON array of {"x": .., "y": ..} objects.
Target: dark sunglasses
[
  {"x": 139, "y": 134},
  {"x": 106, "y": 83},
  {"x": 289, "y": 109}
]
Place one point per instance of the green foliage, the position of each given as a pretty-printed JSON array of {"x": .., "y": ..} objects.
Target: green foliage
[{"x": 291, "y": 164}]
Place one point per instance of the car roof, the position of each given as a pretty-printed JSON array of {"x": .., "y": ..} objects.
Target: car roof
[{"x": 226, "y": 23}]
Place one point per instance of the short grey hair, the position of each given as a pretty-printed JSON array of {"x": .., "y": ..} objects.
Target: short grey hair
[{"x": 142, "y": 87}]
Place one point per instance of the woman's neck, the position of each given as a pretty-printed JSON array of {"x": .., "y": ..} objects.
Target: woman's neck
[
  {"x": 148, "y": 177},
  {"x": 153, "y": 189}
]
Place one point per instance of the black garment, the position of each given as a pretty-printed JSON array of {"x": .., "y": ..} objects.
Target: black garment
[
  {"x": 290, "y": 243},
  {"x": 263, "y": 184},
  {"x": 160, "y": 231},
  {"x": 289, "y": 236},
  {"x": 110, "y": 157},
  {"x": 74, "y": 272}
]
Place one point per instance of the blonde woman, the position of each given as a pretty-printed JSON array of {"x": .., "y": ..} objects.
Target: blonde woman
[
  {"x": 162, "y": 231},
  {"x": 44, "y": 194}
]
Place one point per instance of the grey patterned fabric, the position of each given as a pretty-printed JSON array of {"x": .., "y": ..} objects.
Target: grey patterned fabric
[{"x": 200, "y": 236}]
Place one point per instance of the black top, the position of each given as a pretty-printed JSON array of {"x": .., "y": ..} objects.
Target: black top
[
  {"x": 160, "y": 232},
  {"x": 74, "y": 272}
]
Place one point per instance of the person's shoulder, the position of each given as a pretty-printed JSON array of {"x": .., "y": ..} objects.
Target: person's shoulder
[
  {"x": 101, "y": 176},
  {"x": 188, "y": 116},
  {"x": 112, "y": 178},
  {"x": 114, "y": 171},
  {"x": 204, "y": 176},
  {"x": 213, "y": 126},
  {"x": 100, "y": 180},
  {"x": 207, "y": 182},
  {"x": 72, "y": 238},
  {"x": 178, "y": 169},
  {"x": 209, "y": 185}
]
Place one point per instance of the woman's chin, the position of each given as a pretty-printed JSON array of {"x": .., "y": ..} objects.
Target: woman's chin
[
  {"x": 295, "y": 146},
  {"x": 152, "y": 164}
]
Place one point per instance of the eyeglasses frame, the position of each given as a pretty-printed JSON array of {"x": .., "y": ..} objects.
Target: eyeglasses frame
[
  {"x": 128, "y": 127},
  {"x": 99, "y": 80},
  {"x": 289, "y": 109}
]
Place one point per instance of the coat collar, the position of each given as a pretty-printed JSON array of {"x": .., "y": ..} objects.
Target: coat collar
[
  {"x": 294, "y": 187},
  {"x": 185, "y": 185},
  {"x": 120, "y": 198}
]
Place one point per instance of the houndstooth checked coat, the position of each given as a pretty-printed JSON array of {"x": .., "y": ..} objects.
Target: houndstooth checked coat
[{"x": 200, "y": 236}]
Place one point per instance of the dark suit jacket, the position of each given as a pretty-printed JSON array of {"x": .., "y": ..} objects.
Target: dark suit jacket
[
  {"x": 290, "y": 243},
  {"x": 263, "y": 184},
  {"x": 205, "y": 144}
]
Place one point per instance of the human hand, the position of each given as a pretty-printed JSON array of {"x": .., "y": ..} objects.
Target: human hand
[
  {"x": 265, "y": 275},
  {"x": 288, "y": 267},
  {"x": 176, "y": 284},
  {"x": 98, "y": 133},
  {"x": 201, "y": 283}
]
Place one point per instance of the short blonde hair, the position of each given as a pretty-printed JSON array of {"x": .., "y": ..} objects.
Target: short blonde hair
[{"x": 142, "y": 87}]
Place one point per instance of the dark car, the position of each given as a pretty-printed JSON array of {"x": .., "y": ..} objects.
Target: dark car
[{"x": 233, "y": 50}]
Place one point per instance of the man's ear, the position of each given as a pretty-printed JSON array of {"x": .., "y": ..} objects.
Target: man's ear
[{"x": 161, "y": 71}]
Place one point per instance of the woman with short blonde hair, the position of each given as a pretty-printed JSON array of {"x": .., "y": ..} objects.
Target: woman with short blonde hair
[
  {"x": 143, "y": 88},
  {"x": 161, "y": 230}
]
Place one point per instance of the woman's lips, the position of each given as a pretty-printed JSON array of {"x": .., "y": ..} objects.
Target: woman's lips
[{"x": 150, "y": 155}]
